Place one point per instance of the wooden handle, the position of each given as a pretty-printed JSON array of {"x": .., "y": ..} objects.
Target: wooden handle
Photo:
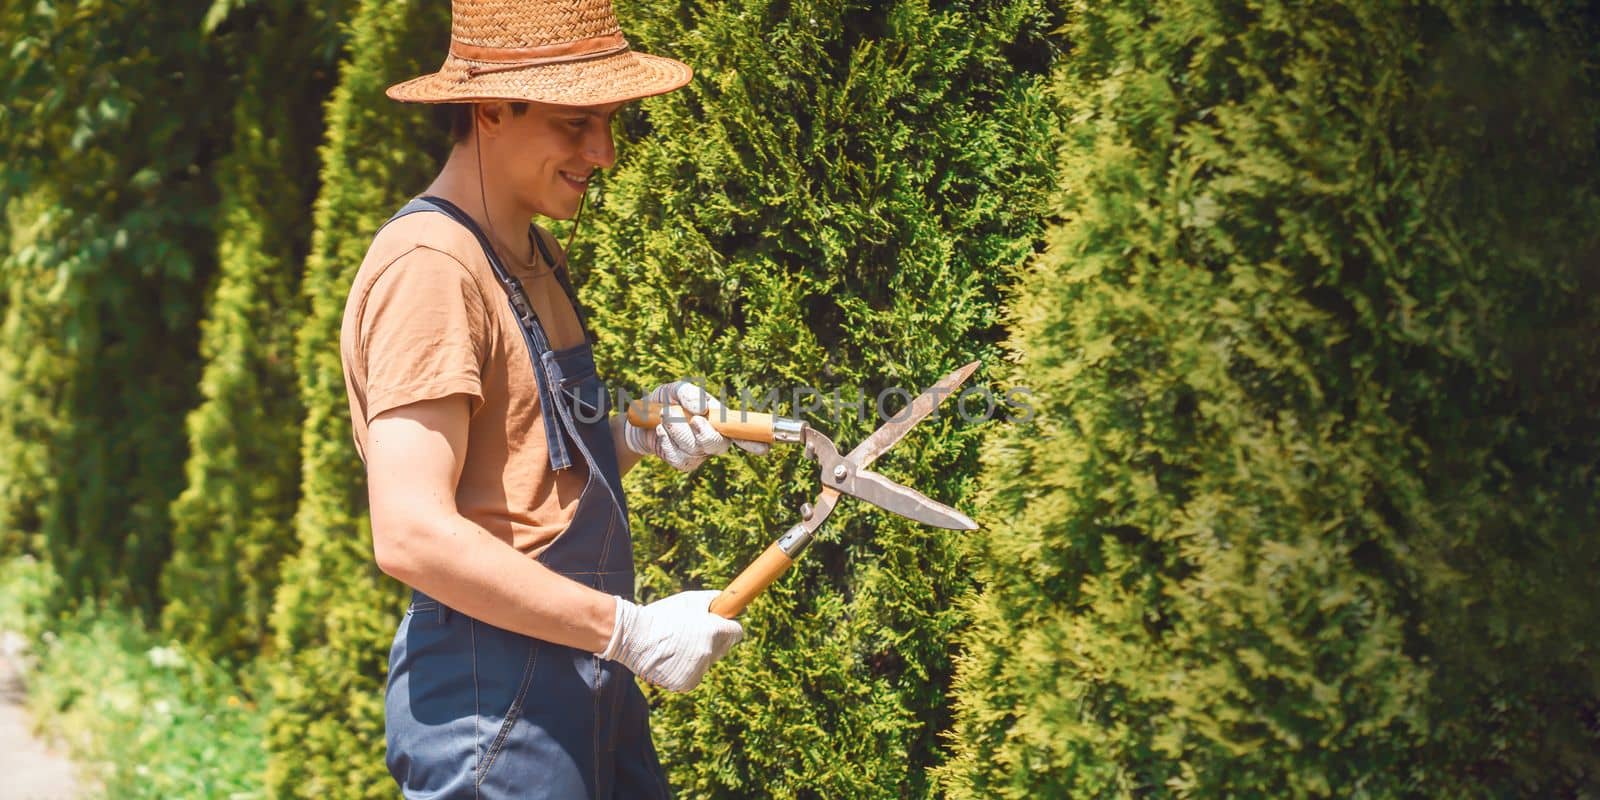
[
  {"x": 752, "y": 582},
  {"x": 751, "y": 426}
]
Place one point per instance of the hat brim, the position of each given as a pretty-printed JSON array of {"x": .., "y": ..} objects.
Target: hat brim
[{"x": 609, "y": 79}]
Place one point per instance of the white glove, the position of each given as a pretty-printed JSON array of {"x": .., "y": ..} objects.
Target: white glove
[
  {"x": 684, "y": 441},
  {"x": 672, "y": 642}
]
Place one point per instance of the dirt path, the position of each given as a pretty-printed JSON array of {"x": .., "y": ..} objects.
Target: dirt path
[{"x": 31, "y": 770}]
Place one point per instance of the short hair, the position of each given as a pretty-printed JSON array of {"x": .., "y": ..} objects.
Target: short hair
[{"x": 457, "y": 118}]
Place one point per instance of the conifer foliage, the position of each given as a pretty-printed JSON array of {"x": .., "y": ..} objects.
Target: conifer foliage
[
  {"x": 335, "y": 612},
  {"x": 231, "y": 525},
  {"x": 833, "y": 203},
  {"x": 1299, "y": 498},
  {"x": 1308, "y": 505},
  {"x": 109, "y": 127}
]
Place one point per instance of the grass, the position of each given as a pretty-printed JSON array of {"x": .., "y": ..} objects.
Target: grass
[{"x": 144, "y": 718}]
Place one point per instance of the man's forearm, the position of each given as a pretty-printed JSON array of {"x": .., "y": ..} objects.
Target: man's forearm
[
  {"x": 465, "y": 567},
  {"x": 626, "y": 458}
]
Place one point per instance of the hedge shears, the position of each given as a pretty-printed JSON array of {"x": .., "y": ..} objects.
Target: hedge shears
[{"x": 838, "y": 474}]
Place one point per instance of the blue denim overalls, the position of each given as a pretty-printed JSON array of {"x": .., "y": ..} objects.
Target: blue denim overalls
[{"x": 476, "y": 711}]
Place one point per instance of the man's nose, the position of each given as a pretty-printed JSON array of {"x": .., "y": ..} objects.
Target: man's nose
[{"x": 600, "y": 149}]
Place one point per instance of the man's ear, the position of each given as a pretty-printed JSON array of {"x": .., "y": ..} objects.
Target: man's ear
[{"x": 489, "y": 117}]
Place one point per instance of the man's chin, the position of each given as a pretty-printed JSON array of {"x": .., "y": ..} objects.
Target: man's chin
[{"x": 562, "y": 212}]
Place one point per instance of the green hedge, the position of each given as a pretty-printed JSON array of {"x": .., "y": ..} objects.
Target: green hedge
[
  {"x": 1309, "y": 505},
  {"x": 335, "y": 612},
  {"x": 231, "y": 526},
  {"x": 1305, "y": 506},
  {"x": 834, "y": 202},
  {"x": 109, "y": 130},
  {"x": 33, "y": 364}
]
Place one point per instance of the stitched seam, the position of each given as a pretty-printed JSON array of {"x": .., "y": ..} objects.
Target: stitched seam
[
  {"x": 585, "y": 496},
  {"x": 361, "y": 307},
  {"x": 616, "y": 711},
  {"x": 661, "y": 778},
  {"x": 605, "y": 546},
  {"x": 605, "y": 550},
  {"x": 395, "y": 396},
  {"x": 483, "y": 296},
  {"x": 512, "y": 713},
  {"x": 378, "y": 273},
  {"x": 477, "y": 713},
  {"x": 616, "y": 506},
  {"x": 576, "y": 512}
]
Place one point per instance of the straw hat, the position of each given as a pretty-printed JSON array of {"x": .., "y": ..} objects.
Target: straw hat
[{"x": 564, "y": 52}]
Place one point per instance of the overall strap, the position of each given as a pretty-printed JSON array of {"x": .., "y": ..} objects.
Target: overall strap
[
  {"x": 532, "y": 332},
  {"x": 560, "y": 271}
]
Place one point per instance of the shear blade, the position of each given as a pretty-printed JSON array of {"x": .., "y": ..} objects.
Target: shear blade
[
  {"x": 907, "y": 418},
  {"x": 905, "y": 501}
]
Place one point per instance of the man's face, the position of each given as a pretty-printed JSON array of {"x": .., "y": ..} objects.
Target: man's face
[{"x": 548, "y": 154}]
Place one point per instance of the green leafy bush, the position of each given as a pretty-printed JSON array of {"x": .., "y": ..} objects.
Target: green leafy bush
[
  {"x": 833, "y": 202},
  {"x": 143, "y": 717},
  {"x": 232, "y": 526},
  {"x": 335, "y": 612},
  {"x": 110, "y": 130},
  {"x": 1309, "y": 505}
]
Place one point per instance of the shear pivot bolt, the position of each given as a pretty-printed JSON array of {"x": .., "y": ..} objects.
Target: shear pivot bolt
[{"x": 839, "y": 472}]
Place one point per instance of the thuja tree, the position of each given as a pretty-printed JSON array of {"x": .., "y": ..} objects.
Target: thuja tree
[
  {"x": 833, "y": 203},
  {"x": 110, "y": 127},
  {"x": 335, "y": 612},
  {"x": 232, "y": 524},
  {"x": 30, "y": 371},
  {"x": 1308, "y": 504}
]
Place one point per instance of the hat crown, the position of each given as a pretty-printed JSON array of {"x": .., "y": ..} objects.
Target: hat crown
[
  {"x": 560, "y": 52},
  {"x": 512, "y": 24}
]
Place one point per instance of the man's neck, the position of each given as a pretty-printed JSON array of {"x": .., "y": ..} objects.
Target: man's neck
[{"x": 506, "y": 222}]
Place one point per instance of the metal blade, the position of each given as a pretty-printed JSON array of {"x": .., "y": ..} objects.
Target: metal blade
[
  {"x": 905, "y": 501},
  {"x": 921, "y": 406},
  {"x": 875, "y": 445}
]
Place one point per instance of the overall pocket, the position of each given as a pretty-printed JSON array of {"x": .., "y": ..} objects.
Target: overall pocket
[
  {"x": 429, "y": 702},
  {"x": 503, "y": 668}
]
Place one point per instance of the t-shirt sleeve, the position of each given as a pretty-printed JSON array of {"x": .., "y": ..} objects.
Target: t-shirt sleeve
[{"x": 423, "y": 332}]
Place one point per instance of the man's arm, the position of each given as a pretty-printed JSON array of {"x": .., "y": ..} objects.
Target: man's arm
[
  {"x": 414, "y": 459},
  {"x": 626, "y": 458}
]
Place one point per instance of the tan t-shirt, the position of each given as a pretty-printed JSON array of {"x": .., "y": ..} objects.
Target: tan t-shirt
[{"x": 426, "y": 319}]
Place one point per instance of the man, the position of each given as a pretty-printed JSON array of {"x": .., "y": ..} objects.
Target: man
[{"x": 494, "y": 469}]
